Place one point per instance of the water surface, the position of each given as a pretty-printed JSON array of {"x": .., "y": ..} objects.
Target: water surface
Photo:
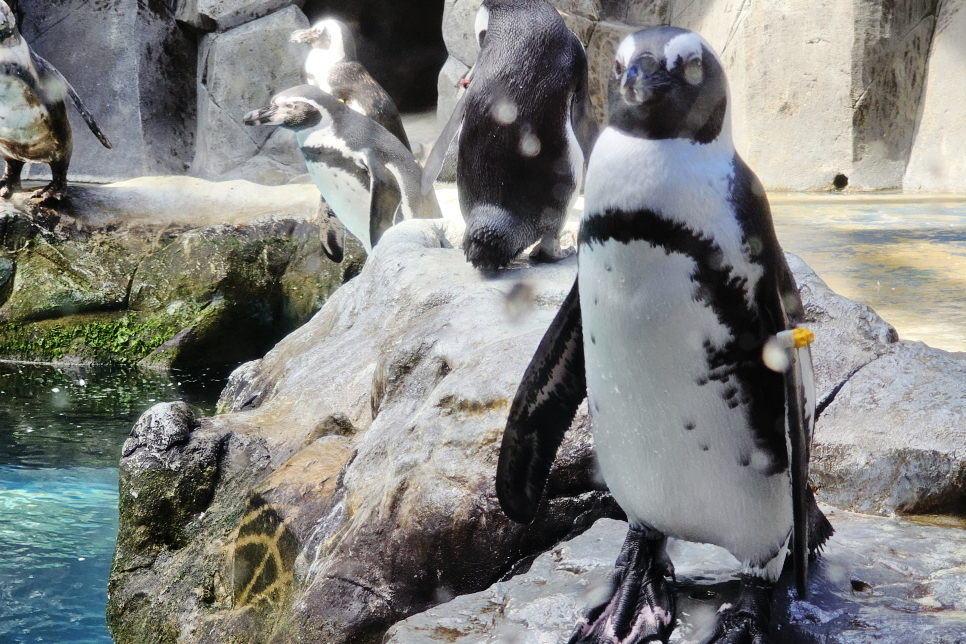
[{"x": 61, "y": 431}]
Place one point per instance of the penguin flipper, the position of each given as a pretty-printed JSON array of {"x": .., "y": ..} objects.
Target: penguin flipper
[
  {"x": 384, "y": 198},
  {"x": 581, "y": 109},
  {"x": 543, "y": 408},
  {"x": 434, "y": 163},
  {"x": 331, "y": 233},
  {"x": 799, "y": 433},
  {"x": 48, "y": 69}
]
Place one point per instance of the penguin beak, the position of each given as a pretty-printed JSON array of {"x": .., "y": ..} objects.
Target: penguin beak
[
  {"x": 264, "y": 116},
  {"x": 638, "y": 87},
  {"x": 302, "y": 35}
]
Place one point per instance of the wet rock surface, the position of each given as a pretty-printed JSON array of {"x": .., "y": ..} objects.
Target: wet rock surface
[{"x": 882, "y": 580}]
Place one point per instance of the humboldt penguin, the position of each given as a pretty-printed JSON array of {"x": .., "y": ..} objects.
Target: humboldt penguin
[
  {"x": 364, "y": 173},
  {"x": 34, "y": 127},
  {"x": 682, "y": 302}
]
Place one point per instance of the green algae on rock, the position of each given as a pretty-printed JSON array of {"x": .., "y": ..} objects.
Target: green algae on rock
[{"x": 118, "y": 277}]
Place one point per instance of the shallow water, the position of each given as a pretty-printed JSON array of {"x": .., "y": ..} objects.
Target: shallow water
[
  {"x": 61, "y": 432},
  {"x": 903, "y": 255}
]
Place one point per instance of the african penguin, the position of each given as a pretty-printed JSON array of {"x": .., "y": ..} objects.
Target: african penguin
[
  {"x": 34, "y": 127},
  {"x": 681, "y": 283},
  {"x": 331, "y": 66},
  {"x": 363, "y": 172},
  {"x": 519, "y": 164}
]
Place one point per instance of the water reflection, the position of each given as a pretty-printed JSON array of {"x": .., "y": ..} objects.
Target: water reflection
[
  {"x": 903, "y": 255},
  {"x": 61, "y": 431}
]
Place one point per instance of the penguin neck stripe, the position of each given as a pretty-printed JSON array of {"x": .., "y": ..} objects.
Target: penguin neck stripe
[{"x": 738, "y": 362}]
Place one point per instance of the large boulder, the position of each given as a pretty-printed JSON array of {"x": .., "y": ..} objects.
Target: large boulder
[
  {"x": 238, "y": 71},
  {"x": 882, "y": 580},
  {"x": 378, "y": 429},
  {"x": 134, "y": 68},
  {"x": 359, "y": 453},
  {"x": 221, "y": 15}
]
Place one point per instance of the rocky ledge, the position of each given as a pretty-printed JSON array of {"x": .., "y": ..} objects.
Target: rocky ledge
[
  {"x": 348, "y": 483},
  {"x": 163, "y": 271}
]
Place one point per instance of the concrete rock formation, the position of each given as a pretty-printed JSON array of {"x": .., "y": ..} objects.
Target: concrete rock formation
[
  {"x": 823, "y": 95},
  {"x": 358, "y": 457}
]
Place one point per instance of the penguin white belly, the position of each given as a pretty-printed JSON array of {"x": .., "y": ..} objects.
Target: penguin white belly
[
  {"x": 672, "y": 452},
  {"x": 344, "y": 181},
  {"x": 24, "y": 122},
  {"x": 348, "y": 198}
]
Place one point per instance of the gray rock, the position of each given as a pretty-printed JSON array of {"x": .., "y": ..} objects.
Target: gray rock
[
  {"x": 935, "y": 163},
  {"x": 459, "y": 32},
  {"x": 221, "y": 15},
  {"x": 882, "y": 580},
  {"x": 240, "y": 70},
  {"x": 848, "y": 334},
  {"x": 894, "y": 437},
  {"x": 134, "y": 68}
]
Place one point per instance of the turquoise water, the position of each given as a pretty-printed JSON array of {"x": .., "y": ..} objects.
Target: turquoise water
[{"x": 61, "y": 431}]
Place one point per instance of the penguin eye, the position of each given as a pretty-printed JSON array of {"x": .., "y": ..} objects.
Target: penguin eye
[
  {"x": 647, "y": 64},
  {"x": 618, "y": 69}
]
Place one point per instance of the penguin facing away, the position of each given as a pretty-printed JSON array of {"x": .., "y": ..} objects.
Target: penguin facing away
[
  {"x": 681, "y": 284},
  {"x": 34, "y": 127},
  {"x": 332, "y": 67},
  {"x": 519, "y": 164},
  {"x": 363, "y": 172}
]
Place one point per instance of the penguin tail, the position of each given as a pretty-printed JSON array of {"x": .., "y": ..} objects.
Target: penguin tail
[
  {"x": 819, "y": 528},
  {"x": 493, "y": 237}
]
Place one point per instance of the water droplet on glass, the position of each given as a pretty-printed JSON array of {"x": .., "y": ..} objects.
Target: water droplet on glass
[{"x": 529, "y": 145}]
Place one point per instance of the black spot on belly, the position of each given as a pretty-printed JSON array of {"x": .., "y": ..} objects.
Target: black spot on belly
[
  {"x": 609, "y": 268},
  {"x": 593, "y": 340},
  {"x": 704, "y": 447},
  {"x": 689, "y": 425},
  {"x": 744, "y": 461},
  {"x": 701, "y": 381}
]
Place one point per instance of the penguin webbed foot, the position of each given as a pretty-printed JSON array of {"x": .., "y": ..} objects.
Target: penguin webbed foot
[
  {"x": 549, "y": 251},
  {"x": 640, "y": 606},
  {"x": 746, "y": 621},
  {"x": 53, "y": 192}
]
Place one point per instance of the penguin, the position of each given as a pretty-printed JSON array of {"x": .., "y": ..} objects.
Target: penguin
[
  {"x": 332, "y": 67},
  {"x": 519, "y": 160},
  {"x": 34, "y": 127},
  {"x": 682, "y": 298},
  {"x": 363, "y": 172}
]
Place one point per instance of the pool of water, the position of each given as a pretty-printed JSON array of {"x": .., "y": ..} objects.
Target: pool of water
[
  {"x": 61, "y": 431},
  {"x": 903, "y": 255}
]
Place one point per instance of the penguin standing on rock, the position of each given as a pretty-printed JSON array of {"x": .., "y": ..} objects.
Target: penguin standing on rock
[
  {"x": 519, "y": 164},
  {"x": 34, "y": 127},
  {"x": 331, "y": 66},
  {"x": 680, "y": 329},
  {"x": 362, "y": 170}
]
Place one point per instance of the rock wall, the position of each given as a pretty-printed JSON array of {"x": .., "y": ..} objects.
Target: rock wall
[{"x": 820, "y": 90}]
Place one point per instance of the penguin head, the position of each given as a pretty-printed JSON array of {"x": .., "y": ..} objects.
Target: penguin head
[
  {"x": 8, "y": 24},
  {"x": 668, "y": 83},
  {"x": 299, "y": 108},
  {"x": 330, "y": 35}
]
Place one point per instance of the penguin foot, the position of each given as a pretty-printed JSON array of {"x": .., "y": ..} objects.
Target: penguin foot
[
  {"x": 640, "y": 606},
  {"x": 549, "y": 251},
  {"x": 54, "y": 191},
  {"x": 7, "y": 188},
  {"x": 745, "y": 622}
]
